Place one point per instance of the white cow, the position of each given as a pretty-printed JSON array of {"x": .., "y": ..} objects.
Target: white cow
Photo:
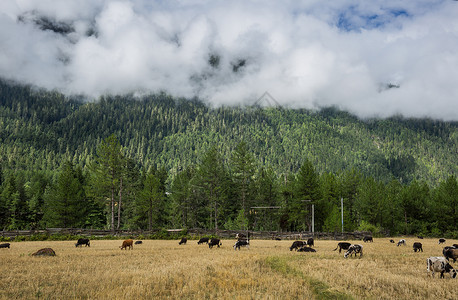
[{"x": 439, "y": 264}]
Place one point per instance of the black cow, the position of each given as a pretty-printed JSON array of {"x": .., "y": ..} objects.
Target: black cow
[
  {"x": 82, "y": 242},
  {"x": 417, "y": 247},
  {"x": 183, "y": 241},
  {"x": 242, "y": 243},
  {"x": 455, "y": 245},
  {"x": 138, "y": 242},
  {"x": 441, "y": 241},
  {"x": 367, "y": 239},
  {"x": 392, "y": 241},
  {"x": 342, "y": 245},
  {"x": 420, "y": 237},
  {"x": 306, "y": 249},
  {"x": 5, "y": 245},
  {"x": 354, "y": 249},
  {"x": 214, "y": 242},
  {"x": 310, "y": 242},
  {"x": 296, "y": 245},
  {"x": 203, "y": 240}
]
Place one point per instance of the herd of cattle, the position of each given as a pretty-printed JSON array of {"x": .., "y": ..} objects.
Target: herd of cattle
[{"x": 434, "y": 264}]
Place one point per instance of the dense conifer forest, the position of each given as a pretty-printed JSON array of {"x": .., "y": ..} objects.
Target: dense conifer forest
[{"x": 154, "y": 162}]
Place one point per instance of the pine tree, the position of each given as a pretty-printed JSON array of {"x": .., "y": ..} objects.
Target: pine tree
[
  {"x": 107, "y": 171},
  {"x": 65, "y": 201}
]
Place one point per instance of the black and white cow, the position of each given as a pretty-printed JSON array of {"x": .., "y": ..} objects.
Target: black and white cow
[
  {"x": 203, "y": 240},
  {"x": 183, "y": 241},
  {"x": 354, "y": 249},
  {"x": 242, "y": 243},
  {"x": 240, "y": 236},
  {"x": 439, "y": 264},
  {"x": 306, "y": 249},
  {"x": 214, "y": 242},
  {"x": 417, "y": 247},
  {"x": 82, "y": 242},
  {"x": 5, "y": 245},
  {"x": 297, "y": 244},
  {"x": 401, "y": 242},
  {"x": 441, "y": 241},
  {"x": 368, "y": 239},
  {"x": 342, "y": 245}
]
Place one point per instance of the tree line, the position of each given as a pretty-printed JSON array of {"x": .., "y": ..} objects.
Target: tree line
[
  {"x": 113, "y": 191},
  {"x": 156, "y": 161}
]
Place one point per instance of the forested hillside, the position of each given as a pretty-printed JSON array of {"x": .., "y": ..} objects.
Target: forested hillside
[{"x": 257, "y": 156}]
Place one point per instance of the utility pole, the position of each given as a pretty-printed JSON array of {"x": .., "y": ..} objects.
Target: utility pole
[{"x": 341, "y": 208}]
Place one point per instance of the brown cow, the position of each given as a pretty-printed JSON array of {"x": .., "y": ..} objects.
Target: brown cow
[{"x": 127, "y": 243}]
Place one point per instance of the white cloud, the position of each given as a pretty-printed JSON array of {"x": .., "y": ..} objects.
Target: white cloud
[{"x": 307, "y": 54}]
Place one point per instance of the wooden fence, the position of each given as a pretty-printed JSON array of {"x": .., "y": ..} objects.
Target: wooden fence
[{"x": 193, "y": 233}]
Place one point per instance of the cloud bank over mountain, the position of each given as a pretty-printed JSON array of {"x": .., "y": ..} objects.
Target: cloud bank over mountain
[{"x": 373, "y": 58}]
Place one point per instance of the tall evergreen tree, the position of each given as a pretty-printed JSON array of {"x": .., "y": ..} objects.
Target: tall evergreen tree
[
  {"x": 65, "y": 200},
  {"x": 107, "y": 171},
  {"x": 243, "y": 170},
  {"x": 307, "y": 192},
  {"x": 212, "y": 184}
]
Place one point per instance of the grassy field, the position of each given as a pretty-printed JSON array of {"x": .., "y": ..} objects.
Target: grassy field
[{"x": 268, "y": 270}]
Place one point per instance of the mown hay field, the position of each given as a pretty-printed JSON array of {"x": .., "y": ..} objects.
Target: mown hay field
[{"x": 160, "y": 269}]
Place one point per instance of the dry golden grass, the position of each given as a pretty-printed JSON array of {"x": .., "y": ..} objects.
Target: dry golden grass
[{"x": 268, "y": 270}]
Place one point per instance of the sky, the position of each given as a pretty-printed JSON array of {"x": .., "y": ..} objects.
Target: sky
[{"x": 373, "y": 58}]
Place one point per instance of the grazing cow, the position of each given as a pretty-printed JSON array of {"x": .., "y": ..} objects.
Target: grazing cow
[
  {"x": 45, "y": 252},
  {"x": 354, "y": 249},
  {"x": 203, "y": 240},
  {"x": 401, "y": 242},
  {"x": 183, "y": 241},
  {"x": 306, "y": 249},
  {"x": 138, "y": 242},
  {"x": 127, "y": 243},
  {"x": 439, "y": 264},
  {"x": 82, "y": 242},
  {"x": 296, "y": 245},
  {"x": 420, "y": 237},
  {"x": 417, "y": 247},
  {"x": 392, "y": 241},
  {"x": 5, "y": 245},
  {"x": 367, "y": 239},
  {"x": 451, "y": 253},
  {"x": 455, "y": 245},
  {"x": 242, "y": 243},
  {"x": 310, "y": 242},
  {"x": 441, "y": 241},
  {"x": 214, "y": 242},
  {"x": 342, "y": 245}
]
